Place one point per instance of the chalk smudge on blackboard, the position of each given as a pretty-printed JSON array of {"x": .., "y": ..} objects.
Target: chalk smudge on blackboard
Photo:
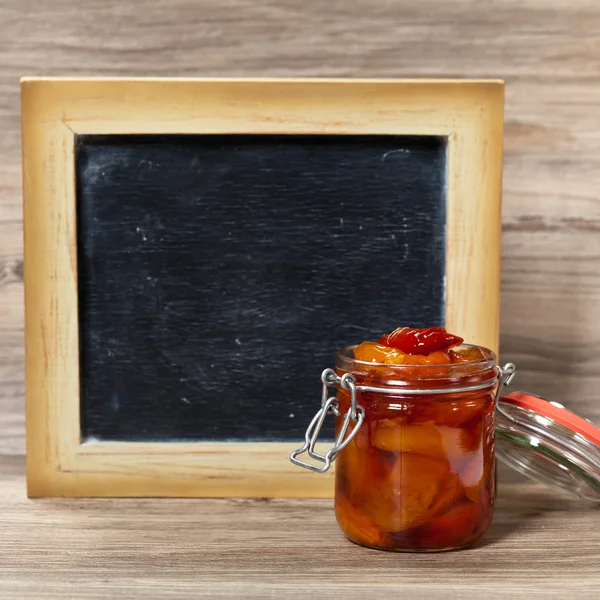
[{"x": 392, "y": 152}]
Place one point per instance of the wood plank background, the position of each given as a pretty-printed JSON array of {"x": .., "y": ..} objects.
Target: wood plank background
[{"x": 548, "y": 51}]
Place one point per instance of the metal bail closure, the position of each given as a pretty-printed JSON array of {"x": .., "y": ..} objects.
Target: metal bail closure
[
  {"x": 330, "y": 405},
  {"x": 506, "y": 374}
]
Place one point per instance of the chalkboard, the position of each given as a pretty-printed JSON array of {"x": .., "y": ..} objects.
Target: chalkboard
[
  {"x": 219, "y": 274},
  {"x": 197, "y": 250}
]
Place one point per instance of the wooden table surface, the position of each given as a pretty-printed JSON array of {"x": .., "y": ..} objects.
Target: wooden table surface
[
  {"x": 548, "y": 52},
  {"x": 540, "y": 545}
]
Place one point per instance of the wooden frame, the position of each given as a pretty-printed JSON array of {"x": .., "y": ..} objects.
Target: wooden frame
[{"x": 468, "y": 113}]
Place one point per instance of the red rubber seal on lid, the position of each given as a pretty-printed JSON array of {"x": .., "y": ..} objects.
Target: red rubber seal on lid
[{"x": 560, "y": 415}]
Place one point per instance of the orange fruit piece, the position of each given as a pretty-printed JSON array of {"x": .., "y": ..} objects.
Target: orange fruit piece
[
  {"x": 375, "y": 353},
  {"x": 439, "y": 357},
  {"x": 452, "y": 529},
  {"x": 357, "y": 524},
  {"x": 417, "y": 439},
  {"x": 445, "y": 444},
  {"x": 410, "y": 495},
  {"x": 471, "y": 477},
  {"x": 461, "y": 355}
]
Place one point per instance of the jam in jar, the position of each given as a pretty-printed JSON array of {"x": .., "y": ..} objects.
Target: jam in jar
[{"x": 414, "y": 449}]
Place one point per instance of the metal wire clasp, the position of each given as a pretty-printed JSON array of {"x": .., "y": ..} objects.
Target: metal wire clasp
[
  {"x": 330, "y": 405},
  {"x": 505, "y": 375}
]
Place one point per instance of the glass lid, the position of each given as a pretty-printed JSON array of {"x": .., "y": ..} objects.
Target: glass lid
[{"x": 547, "y": 442}]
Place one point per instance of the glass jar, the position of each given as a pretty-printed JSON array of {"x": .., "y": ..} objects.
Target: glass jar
[{"x": 414, "y": 445}]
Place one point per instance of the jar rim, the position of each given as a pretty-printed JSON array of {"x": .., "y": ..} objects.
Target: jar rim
[{"x": 345, "y": 360}]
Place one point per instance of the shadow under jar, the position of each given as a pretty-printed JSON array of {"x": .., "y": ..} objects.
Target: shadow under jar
[{"x": 419, "y": 475}]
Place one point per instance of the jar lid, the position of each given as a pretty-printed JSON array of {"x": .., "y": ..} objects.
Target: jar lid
[{"x": 549, "y": 443}]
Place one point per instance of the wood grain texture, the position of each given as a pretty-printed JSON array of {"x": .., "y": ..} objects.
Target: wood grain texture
[
  {"x": 548, "y": 52},
  {"x": 539, "y": 546}
]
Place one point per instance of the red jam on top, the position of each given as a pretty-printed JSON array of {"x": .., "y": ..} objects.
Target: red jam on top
[{"x": 409, "y": 346}]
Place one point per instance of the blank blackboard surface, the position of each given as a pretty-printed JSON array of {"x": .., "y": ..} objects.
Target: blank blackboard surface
[{"x": 219, "y": 274}]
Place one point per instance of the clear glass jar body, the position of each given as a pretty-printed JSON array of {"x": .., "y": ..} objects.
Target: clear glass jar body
[{"x": 420, "y": 473}]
